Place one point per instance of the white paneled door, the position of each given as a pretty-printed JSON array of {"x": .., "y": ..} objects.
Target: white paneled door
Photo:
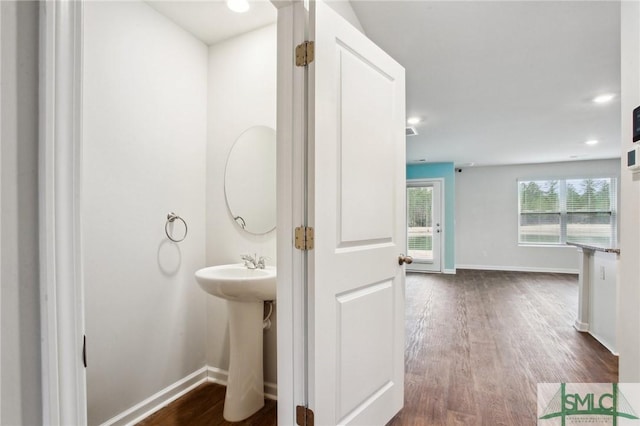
[{"x": 357, "y": 207}]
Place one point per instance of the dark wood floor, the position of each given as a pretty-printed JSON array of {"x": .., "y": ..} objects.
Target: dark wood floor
[
  {"x": 203, "y": 407},
  {"x": 478, "y": 342}
]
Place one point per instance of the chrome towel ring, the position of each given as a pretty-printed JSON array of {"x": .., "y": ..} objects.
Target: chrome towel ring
[{"x": 172, "y": 217}]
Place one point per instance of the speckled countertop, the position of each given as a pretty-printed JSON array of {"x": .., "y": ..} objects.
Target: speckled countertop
[{"x": 596, "y": 248}]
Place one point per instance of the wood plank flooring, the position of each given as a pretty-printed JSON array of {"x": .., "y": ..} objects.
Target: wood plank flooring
[
  {"x": 203, "y": 407},
  {"x": 477, "y": 344}
]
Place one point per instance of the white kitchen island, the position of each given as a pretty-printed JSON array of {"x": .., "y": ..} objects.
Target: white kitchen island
[{"x": 598, "y": 295}]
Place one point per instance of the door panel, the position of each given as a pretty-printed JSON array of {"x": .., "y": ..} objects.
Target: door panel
[
  {"x": 365, "y": 367},
  {"x": 357, "y": 207},
  {"x": 366, "y": 98}
]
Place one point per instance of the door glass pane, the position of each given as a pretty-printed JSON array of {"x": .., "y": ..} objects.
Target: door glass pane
[{"x": 420, "y": 222}]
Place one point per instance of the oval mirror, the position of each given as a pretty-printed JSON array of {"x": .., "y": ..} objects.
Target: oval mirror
[{"x": 250, "y": 180}]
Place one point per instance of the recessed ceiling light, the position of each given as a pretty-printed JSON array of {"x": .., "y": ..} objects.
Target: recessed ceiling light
[
  {"x": 602, "y": 99},
  {"x": 591, "y": 142},
  {"x": 238, "y": 6},
  {"x": 413, "y": 120}
]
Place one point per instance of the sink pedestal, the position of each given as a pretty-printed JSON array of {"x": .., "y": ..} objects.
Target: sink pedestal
[
  {"x": 245, "y": 386},
  {"x": 245, "y": 291}
]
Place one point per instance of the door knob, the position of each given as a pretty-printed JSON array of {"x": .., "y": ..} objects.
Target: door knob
[{"x": 405, "y": 259}]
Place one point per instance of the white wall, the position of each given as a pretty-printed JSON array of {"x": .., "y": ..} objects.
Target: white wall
[
  {"x": 20, "y": 391},
  {"x": 144, "y": 145},
  {"x": 628, "y": 338},
  {"x": 344, "y": 8},
  {"x": 487, "y": 216},
  {"x": 242, "y": 93}
]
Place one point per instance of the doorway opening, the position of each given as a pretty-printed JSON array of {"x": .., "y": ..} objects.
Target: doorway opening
[{"x": 425, "y": 227}]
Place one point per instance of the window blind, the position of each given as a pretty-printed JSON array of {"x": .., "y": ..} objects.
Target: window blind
[
  {"x": 540, "y": 212},
  {"x": 557, "y": 211}
]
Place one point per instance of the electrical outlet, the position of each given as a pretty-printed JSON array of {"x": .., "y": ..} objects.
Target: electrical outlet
[{"x": 602, "y": 272}]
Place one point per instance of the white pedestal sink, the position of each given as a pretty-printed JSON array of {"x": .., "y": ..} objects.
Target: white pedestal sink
[{"x": 245, "y": 291}]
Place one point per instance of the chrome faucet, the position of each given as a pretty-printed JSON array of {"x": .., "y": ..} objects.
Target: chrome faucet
[{"x": 253, "y": 262}]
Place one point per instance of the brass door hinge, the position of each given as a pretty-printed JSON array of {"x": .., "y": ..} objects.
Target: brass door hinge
[
  {"x": 304, "y": 416},
  {"x": 304, "y": 238},
  {"x": 305, "y": 53}
]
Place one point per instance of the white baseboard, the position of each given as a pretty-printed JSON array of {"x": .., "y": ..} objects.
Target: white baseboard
[
  {"x": 582, "y": 327},
  {"x": 605, "y": 343},
  {"x": 217, "y": 375},
  {"x": 426, "y": 271},
  {"x": 519, "y": 269},
  {"x": 172, "y": 392},
  {"x": 155, "y": 402},
  {"x": 271, "y": 391}
]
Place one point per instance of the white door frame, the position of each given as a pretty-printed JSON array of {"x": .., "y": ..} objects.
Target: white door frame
[
  {"x": 62, "y": 292},
  {"x": 291, "y": 171},
  {"x": 443, "y": 229},
  {"x": 1, "y": 209}
]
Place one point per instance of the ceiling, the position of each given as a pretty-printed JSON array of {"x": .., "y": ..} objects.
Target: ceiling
[
  {"x": 213, "y": 21},
  {"x": 503, "y": 82}
]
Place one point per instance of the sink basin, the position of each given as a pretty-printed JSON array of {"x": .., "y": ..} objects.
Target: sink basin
[
  {"x": 245, "y": 291},
  {"x": 239, "y": 283}
]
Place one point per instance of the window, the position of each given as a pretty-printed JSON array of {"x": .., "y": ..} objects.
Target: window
[{"x": 557, "y": 211}]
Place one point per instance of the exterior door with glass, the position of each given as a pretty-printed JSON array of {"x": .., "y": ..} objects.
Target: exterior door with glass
[{"x": 424, "y": 225}]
